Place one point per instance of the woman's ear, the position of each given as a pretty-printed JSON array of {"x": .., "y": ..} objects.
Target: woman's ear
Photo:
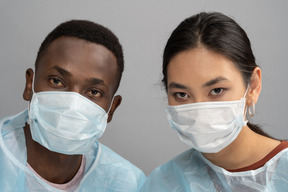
[
  {"x": 255, "y": 86},
  {"x": 27, "y": 94},
  {"x": 116, "y": 102}
]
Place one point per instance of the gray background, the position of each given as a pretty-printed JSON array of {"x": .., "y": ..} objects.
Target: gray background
[{"x": 139, "y": 131}]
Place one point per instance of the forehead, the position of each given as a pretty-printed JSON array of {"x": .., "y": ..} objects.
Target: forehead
[
  {"x": 199, "y": 65},
  {"x": 80, "y": 58}
]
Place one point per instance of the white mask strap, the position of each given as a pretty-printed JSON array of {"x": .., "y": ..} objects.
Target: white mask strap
[
  {"x": 246, "y": 108},
  {"x": 248, "y": 86},
  {"x": 110, "y": 105},
  {"x": 33, "y": 83}
]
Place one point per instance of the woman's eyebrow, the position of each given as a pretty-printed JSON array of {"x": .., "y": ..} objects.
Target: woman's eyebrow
[
  {"x": 214, "y": 81},
  {"x": 177, "y": 85}
]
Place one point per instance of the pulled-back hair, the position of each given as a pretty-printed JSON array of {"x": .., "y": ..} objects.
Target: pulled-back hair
[{"x": 216, "y": 32}]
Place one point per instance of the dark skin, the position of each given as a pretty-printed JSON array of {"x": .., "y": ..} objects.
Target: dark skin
[{"x": 75, "y": 65}]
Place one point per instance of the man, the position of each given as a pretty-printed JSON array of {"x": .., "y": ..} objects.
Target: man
[{"x": 52, "y": 146}]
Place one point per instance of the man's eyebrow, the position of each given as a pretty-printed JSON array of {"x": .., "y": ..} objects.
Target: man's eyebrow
[
  {"x": 67, "y": 73},
  {"x": 176, "y": 85},
  {"x": 62, "y": 71},
  {"x": 214, "y": 81},
  {"x": 96, "y": 81}
]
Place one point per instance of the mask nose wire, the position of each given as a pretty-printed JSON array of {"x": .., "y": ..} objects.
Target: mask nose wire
[{"x": 33, "y": 91}]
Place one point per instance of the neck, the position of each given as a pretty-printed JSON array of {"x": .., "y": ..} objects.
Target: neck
[
  {"x": 248, "y": 148},
  {"x": 54, "y": 167}
]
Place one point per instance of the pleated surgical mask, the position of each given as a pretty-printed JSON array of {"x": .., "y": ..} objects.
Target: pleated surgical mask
[
  {"x": 65, "y": 122},
  {"x": 208, "y": 127}
]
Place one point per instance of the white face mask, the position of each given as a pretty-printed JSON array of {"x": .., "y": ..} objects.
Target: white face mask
[
  {"x": 208, "y": 127},
  {"x": 65, "y": 122}
]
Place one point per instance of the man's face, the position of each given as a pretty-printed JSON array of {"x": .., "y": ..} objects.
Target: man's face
[{"x": 76, "y": 65}]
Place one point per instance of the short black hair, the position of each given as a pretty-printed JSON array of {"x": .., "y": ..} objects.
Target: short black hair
[{"x": 89, "y": 31}]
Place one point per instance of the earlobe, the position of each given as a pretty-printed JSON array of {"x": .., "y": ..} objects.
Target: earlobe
[
  {"x": 255, "y": 86},
  {"x": 27, "y": 94},
  {"x": 116, "y": 102}
]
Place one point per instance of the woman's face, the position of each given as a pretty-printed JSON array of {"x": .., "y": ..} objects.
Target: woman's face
[{"x": 200, "y": 75}]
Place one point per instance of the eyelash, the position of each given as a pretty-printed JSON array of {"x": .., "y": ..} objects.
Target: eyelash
[
  {"x": 221, "y": 91},
  {"x": 183, "y": 95},
  {"x": 52, "y": 79},
  {"x": 91, "y": 95},
  {"x": 178, "y": 94}
]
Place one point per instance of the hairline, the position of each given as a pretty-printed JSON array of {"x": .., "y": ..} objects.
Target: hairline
[{"x": 46, "y": 48}]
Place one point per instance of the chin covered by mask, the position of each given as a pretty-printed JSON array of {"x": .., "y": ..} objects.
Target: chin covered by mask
[
  {"x": 208, "y": 127},
  {"x": 65, "y": 122}
]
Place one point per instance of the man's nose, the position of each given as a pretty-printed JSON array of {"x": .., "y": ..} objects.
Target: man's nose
[{"x": 75, "y": 88}]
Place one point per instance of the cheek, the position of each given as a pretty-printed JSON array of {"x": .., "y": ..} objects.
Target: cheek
[
  {"x": 103, "y": 104},
  {"x": 39, "y": 86},
  {"x": 239, "y": 90}
]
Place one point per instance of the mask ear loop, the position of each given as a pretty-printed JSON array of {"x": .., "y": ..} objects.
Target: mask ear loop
[
  {"x": 110, "y": 105},
  {"x": 251, "y": 112},
  {"x": 29, "y": 104},
  {"x": 248, "y": 86},
  {"x": 33, "y": 83}
]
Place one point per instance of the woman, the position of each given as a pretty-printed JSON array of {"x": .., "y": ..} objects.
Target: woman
[{"x": 212, "y": 80}]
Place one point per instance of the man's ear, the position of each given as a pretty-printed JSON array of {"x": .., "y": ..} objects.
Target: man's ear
[
  {"x": 27, "y": 94},
  {"x": 116, "y": 102},
  {"x": 255, "y": 86}
]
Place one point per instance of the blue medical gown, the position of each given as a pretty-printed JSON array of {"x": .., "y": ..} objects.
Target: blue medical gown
[
  {"x": 105, "y": 171},
  {"x": 192, "y": 172}
]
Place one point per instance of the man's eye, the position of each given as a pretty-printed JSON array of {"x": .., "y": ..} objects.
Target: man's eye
[
  {"x": 216, "y": 91},
  {"x": 94, "y": 93},
  {"x": 56, "y": 82}
]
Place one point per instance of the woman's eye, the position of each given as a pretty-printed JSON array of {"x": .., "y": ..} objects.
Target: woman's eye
[
  {"x": 94, "y": 93},
  {"x": 181, "y": 95},
  {"x": 216, "y": 91},
  {"x": 56, "y": 82}
]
